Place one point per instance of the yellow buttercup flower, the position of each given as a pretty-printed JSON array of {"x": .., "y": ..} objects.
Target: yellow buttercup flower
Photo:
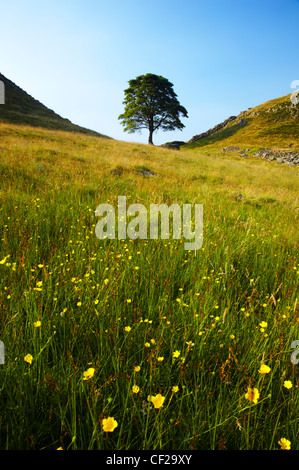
[
  {"x": 88, "y": 374},
  {"x": 287, "y": 384},
  {"x": 28, "y": 358},
  {"x": 160, "y": 358},
  {"x": 4, "y": 259},
  {"x": 252, "y": 394},
  {"x": 263, "y": 325},
  {"x": 127, "y": 328},
  {"x": 109, "y": 424},
  {"x": 37, "y": 323},
  {"x": 175, "y": 389},
  {"x": 284, "y": 444},
  {"x": 157, "y": 400},
  {"x": 264, "y": 369},
  {"x": 135, "y": 389},
  {"x": 136, "y": 368},
  {"x": 176, "y": 353}
]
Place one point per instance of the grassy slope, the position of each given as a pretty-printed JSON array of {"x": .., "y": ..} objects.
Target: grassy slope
[
  {"x": 59, "y": 273},
  {"x": 273, "y": 124},
  {"x": 21, "y": 108}
]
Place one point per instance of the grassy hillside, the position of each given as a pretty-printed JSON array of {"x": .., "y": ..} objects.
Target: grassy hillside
[
  {"x": 96, "y": 329},
  {"x": 21, "y": 108},
  {"x": 273, "y": 124}
]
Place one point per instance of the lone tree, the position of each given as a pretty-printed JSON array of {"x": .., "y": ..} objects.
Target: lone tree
[{"x": 150, "y": 103}]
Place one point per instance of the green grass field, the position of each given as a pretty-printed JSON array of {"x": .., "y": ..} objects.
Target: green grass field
[{"x": 145, "y": 317}]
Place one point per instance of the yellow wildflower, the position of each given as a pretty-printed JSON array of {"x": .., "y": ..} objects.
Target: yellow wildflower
[
  {"x": 175, "y": 389},
  {"x": 28, "y": 358},
  {"x": 252, "y": 394},
  {"x": 37, "y": 323},
  {"x": 264, "y": 369},
  {"x": 88, "y": 374},
  {"x": 127, "y": 328},
  {"x": 109, "y": 424},
  {"x": 176, "y": 353},
  {"x": 136, "y": 368},
  {"x": 287, "y": 384},
  {"x": 135, "y": 389},
  {"x": 157, "y": 400},
  {"x": 284, "y": 444}
]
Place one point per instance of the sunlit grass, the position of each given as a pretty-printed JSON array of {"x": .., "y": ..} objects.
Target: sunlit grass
[{"x": 165, "y": 342}]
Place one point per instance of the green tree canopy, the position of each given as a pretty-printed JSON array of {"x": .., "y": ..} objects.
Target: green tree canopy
[{"x": 150, "y": 103}]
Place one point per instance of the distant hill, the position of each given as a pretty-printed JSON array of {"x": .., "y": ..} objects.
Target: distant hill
[
  {"x": 274, "y": 124},
  {"x": 21, "y": 108}
]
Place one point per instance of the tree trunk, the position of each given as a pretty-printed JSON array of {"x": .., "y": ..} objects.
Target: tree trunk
[{"x": 151, "y": 131}]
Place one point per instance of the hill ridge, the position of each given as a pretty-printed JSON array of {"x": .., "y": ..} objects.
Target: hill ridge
[
  {"x": 274, "y": 124},
  {"x": 21, "y": 108}
]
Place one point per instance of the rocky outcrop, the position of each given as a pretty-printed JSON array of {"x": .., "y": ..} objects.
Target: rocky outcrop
[
  {"x": 214, "y": 129},
  {"x": 173, "y": 145},
  {"x": 230, "y": 148},
  {"x": 289, "y": 157}
]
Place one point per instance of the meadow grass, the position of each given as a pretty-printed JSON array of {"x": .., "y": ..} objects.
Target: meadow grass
[{"x": 144, "y": 317}]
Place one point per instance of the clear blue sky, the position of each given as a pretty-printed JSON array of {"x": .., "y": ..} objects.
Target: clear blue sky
[{"x": 222, "y": 56}]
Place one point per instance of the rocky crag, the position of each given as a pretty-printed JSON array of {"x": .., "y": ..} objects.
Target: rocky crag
[
  {"x": 280, "y": 156},
  {"x": 218, "y": 127}
]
